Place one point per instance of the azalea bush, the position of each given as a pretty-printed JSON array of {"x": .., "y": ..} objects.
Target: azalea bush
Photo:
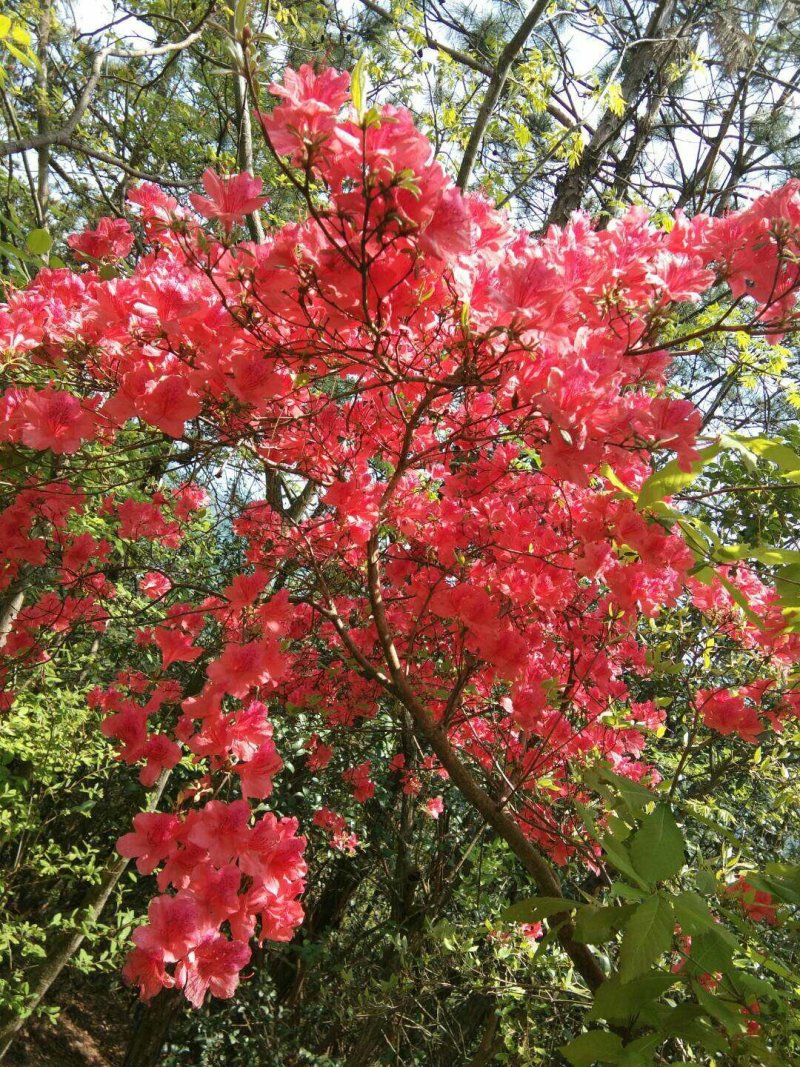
[{"x": 433, "y": 460}]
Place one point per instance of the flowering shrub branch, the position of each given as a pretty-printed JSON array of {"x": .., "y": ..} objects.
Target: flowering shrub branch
[{"x": 455, "y": 427}]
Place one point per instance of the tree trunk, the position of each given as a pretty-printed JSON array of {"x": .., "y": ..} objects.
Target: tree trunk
[
  {"x": 151, "y": 1025},
  {"x": 244, "y": 141},
  {"x": 11, "y": 607},
  {"x": 571, "y": 190},
  {"x": 43, "y": 115}
]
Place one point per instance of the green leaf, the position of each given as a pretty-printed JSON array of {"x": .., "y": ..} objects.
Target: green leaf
[
  {"x": 359, "y": 85},
  {"x": 615, "y": 101},
  {"x": 711, "y": 952},
  {"x": 617, "y": 1001},
  {"x": 611, "y": 475},
  {"x": 639, "y": 1053},
  {"x": 25, "y": 58},
  {"x": 21, "y": 35},
  {"x": 763, "y": 553},
  {"x": 705, "y": 881},
  {"x": 787, "y": 583},
  {"x": 593, "y": 926},
  {"x": 695, "y": 917},
  {"x": 16, "y": 253},
  {"x": 768, "y": 448},
  {"x": 620, "y": 858},
  {"x": 39, "y": 242},
  {"x": 636, "y": 796},
  {"x": 689, "y": 1021},
  {"x": 5, "y": 26},
  {"x": 671, "y": 479},
  {"x": 728, "y": 1014},
  {"x": 657, "y": 850},
  {"x": 774, "y": 966},
  {"x": 648, "y": 934},
  {"x": 784, "y": 881},
  {"x": 596, "y": 1046},
  {"x": 11, "y": 224},
  {"x": 533, "y": 909},
  {"x": 240, "y": 16}
]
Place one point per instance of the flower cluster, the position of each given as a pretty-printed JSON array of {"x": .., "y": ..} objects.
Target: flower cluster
[{"x": 225, "y": 873}]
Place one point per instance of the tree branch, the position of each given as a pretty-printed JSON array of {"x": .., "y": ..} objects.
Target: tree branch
[
  {"x": 495, "y": 87},
  {"x": 504, "y": 824},
  {"x": 63, "y": 134}
]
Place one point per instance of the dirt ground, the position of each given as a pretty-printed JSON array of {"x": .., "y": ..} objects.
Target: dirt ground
[{"x": 91, "y": 1031}]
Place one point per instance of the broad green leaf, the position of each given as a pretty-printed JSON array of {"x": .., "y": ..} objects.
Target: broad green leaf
[
  {"x": 710, "y": 952},
  {"x": 648, "y": 934},
  {"x": 617, "y": 1001},
  {"x": 26, "y": 58},
  {"x": 657, "y": 850},
  {"x": 611, "y": 475},
  {"x": 620, "y": 858},
  {"x": 729, "y": 1014},
  {"x": 16, "y": 253},
  {"x": 770, "y": 964},
  {"x": 787, "y": 583},
  {"x": 688, "y": 1020},
  {"x": 5, "y": 25},
  {"x": 785, "y": 879},
  {"x": 693, "y": 913},
  {"x": 618, "y": 828},
  {"x": 593, "y": 926},
  {"x": 359, "y": 85},
  {"x": 705, "y": 575},
  {"x": 534, "y": 909},
  {"x": 39, "y": 242},
  {"x": 637, "y": 796},
  {"x": 695, "y": 917},
  {"x": 21, "y": 35},
  {"x": 763, "y": 553},
  {"x": 775, "y": 451},
  {"x": 240, "y": 16},
  {"x": 596, "y": 1046},
  {"x": 783, "y": 888},
  {"x": 622, "y": 891},
  {"x": 745, "y": 984},
  {"x": 640, "y": 1053},
  {"x": 671, "y": 479}
]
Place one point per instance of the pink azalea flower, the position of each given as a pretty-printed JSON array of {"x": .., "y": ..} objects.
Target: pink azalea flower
[
  {"x": 54, "y": 420},
  {"x": 212, "y": 966},
  {"x": 155, "y": 585},
  {"x": 153, "y": 838},
  {"x": 229, "y": 199},
  {"x": 112, "y": 239}
]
